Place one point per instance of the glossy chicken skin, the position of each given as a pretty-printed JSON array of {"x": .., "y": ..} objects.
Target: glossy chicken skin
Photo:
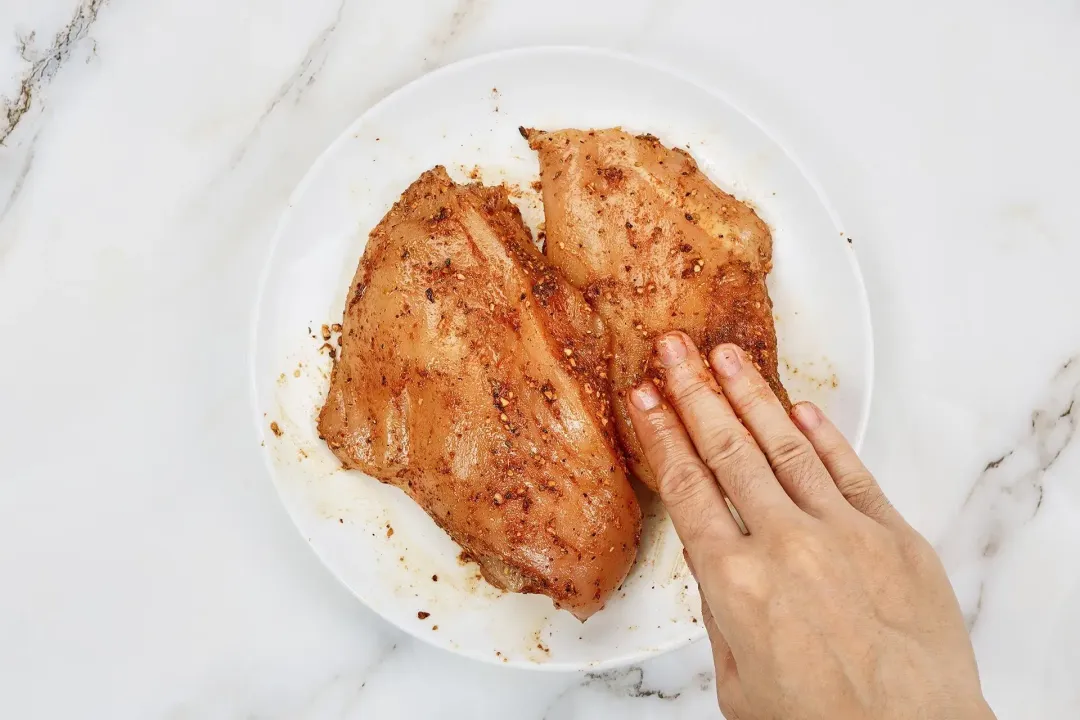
[
  {"x": 655, "y": 246},
  {"x": 471, "y": 376}
]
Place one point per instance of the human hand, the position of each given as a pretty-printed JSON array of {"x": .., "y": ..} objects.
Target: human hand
[{"x": 832, "y": 606}]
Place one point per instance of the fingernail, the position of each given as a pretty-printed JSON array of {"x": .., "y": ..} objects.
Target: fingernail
[
  {"x": 726, "y": 361},
  {"x": 671, "y": 350},
  {"x": 645, "y": 397},
  {"x": 806, "y": 415}
]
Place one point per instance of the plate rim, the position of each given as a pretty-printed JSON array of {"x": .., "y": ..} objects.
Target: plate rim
[{"x": 464, "y": 64}]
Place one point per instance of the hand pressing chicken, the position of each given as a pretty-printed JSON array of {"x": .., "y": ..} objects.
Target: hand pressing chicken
[{"x": 832, "y": 607}]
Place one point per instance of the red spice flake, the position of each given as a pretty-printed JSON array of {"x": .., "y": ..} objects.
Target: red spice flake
[
  {"x": 358, "y": 294},
  {"x": 612, "y": 174},
  {"x": 276, "y": 429},
  {"x": 423, "y": 615}
]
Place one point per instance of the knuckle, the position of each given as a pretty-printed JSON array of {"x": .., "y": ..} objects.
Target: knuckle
[
  {"x": 876, "y": 504},
  {"x": 756, "y": 395},
  {"x": 793, "y": 457},
  {"x": 725, "y": 446},
  {"x": 681, "y": 480},
  {"x": 856, "y": 483},
  {"x": 659, "y": 435},
  {"x": 792, "y": 538},
  {"x": 861, "y": 490},
  {"x": 802, "y": 549},
  {"x": 742, "y": 576},
  {"x": 684, "y": 389},
  {"x": 656, "y": 439},
  {"x": 681, "y": 491}
]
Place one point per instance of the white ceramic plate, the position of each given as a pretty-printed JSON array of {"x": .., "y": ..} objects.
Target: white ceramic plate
[{"x": 465, "y": 117}]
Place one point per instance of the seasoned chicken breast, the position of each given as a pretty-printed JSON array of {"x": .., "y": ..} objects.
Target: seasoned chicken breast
[
  {"x": 655, "y": 246},
  {"x": 472, "y": 376}
]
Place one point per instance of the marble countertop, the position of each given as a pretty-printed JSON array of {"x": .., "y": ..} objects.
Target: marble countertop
[{"x": 147, "y": 569}]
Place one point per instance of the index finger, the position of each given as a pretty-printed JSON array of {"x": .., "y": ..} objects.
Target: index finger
[{"x": 687, "y": 487}]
